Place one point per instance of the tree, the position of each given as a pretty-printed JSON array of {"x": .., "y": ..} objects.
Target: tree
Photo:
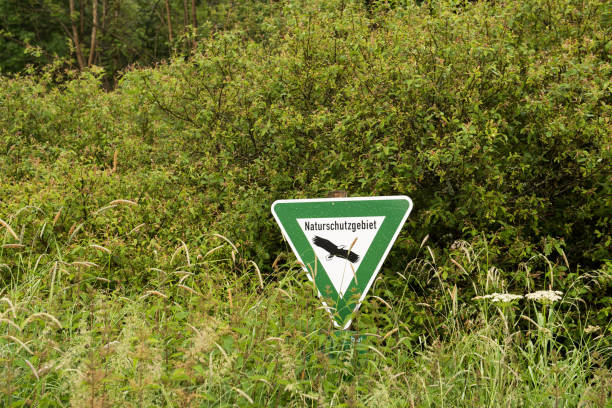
[{"x": 75, "y": 36}]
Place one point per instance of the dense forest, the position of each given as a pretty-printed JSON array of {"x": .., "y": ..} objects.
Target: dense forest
[
  {"x": 142, "y": 143},
  {"x": 116, "y": 34}
]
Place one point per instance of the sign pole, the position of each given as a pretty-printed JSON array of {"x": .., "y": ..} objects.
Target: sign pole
[
  {"x": 353, "y": 335},
  {"x": 337, "y": 194}
]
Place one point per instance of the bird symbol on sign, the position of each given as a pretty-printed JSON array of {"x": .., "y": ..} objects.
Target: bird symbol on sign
[{"x": 335, "y": 250}]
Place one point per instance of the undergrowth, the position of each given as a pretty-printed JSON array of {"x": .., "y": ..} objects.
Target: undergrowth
[{"x": 207, "y": 329}]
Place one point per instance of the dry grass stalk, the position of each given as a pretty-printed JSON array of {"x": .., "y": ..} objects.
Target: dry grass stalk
[
  {"x": 9, "y": 229},
  {"x": 399, "y": 342},
  {"x": 458, "y": 265},
  {"x": 11, "y": 306},
  {"x": 186, "y": 253},
  {"x": 390, "y": 333},
  {"x": 244, "y": 394},
  {"x": 433, "y": 258},
  {"x": 21, "y": 343},
  {"x": 100, "y": 248},
  {"x": 284, "y": 292},
  {"x": 174, "y": 254},
  {"x": 154, "y": 292},
  {"x": 42, "y": 230},
  {"x": 424, "y": 241},
  {"x": 73, "y": 230},
  {"x": 10, "y": 323},
  {"x": 115, "y": 203},
  {"x": 158, "y": 271},
  {"x": 226, "y": 240},
  {"x": 565, "y": 260},
  {"x": 276, "y": 261},
  {"x": 222, "y": 351},
  {"x": 377, "y": 352},
  {"x": 199, "y": 333},
  {"x": 136, "y": 228},
  {"x": 33, "y": 369},
  {"x": 122, "y": 201},
  {"x": 352, "y": 245},
  {"x": 57, "y": 215},
  {"x": 45, "y": 369},
  {"x": 98, "y": 211},
  {"x": 53, "y": 274},
  {"x": 354, "y": 273},
  {"x": 114, "y": 170},
  {"x": 187, "y": 288},
  {"x": 229, "y": 296},
  {"x": 382, "y": 301},
  {"x": 212, "y": 250},
  {"x": 39, "y": 315},
  {"x": 531, "y": 321},
  {"x": 85, "y": 264},
  {"x": 184, "y": 277},
  {"x": 13, "y": 246},
  {"x": 258, "y": 274},
  {"x": 110, "y": 344}
]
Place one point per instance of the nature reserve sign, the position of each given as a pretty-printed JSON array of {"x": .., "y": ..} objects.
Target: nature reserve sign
[{"x": 342, "y": 243}]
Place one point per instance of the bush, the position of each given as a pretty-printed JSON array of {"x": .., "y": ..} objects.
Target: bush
[{"x": 493, "y": 116}]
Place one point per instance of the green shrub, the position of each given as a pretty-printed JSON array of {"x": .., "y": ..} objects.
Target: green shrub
[{"x": 493, "y": 116}]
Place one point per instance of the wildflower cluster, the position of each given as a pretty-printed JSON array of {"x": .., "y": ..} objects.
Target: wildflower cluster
[
  {"x": 542, "y": 296},
  {"x": 545, "y": 296},
  {"x": 500, "y": 297}
]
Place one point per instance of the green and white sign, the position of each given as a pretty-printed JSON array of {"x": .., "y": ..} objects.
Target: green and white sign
[{"x": 342, "y": 243}]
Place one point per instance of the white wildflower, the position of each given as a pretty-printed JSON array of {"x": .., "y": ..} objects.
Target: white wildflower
[
  {"x": 545, "y": 296},
  {"x": 505, "y": 297},
  {"x": 500, "y": 297},
  {"x": 591, "y": 329}
]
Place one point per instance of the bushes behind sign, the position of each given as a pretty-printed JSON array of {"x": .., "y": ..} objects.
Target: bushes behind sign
[{"x": 494, "y": 118}]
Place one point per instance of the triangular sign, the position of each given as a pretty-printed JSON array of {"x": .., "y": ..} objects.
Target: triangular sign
[{"x": 342, "y": 243}]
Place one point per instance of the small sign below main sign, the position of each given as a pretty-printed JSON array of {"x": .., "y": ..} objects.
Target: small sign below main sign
[{"x": 342, "y": 243}]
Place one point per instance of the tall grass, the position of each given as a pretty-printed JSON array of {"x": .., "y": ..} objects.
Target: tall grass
[{"x": 206, "y": 328}]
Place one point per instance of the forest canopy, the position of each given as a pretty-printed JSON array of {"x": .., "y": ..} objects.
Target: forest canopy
[{"x": 113, "y": 34}]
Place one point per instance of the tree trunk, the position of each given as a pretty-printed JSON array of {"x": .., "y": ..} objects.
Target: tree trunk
[
  {"x": 81, "y": 18},
  {"x": 169, "y": 22},
  {"x": 185, "y": 14},
  {"x": 75, "y": 37},
  {"x": 194, "y": 22},
  {"x": 116, "y": 20},
  {"x": 186, "y": 24},
  {"x": 103, "y": 16},
  {"x": 94, "y": 33},
  {"x": 194, "y": 15}
]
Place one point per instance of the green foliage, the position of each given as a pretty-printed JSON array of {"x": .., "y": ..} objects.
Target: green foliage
[
  {"x": 203, "y": 328},
  {"x": 36, "y": 33},
  {"x": 30, "y": 34},
  {"x": 493, "y": 116}
]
